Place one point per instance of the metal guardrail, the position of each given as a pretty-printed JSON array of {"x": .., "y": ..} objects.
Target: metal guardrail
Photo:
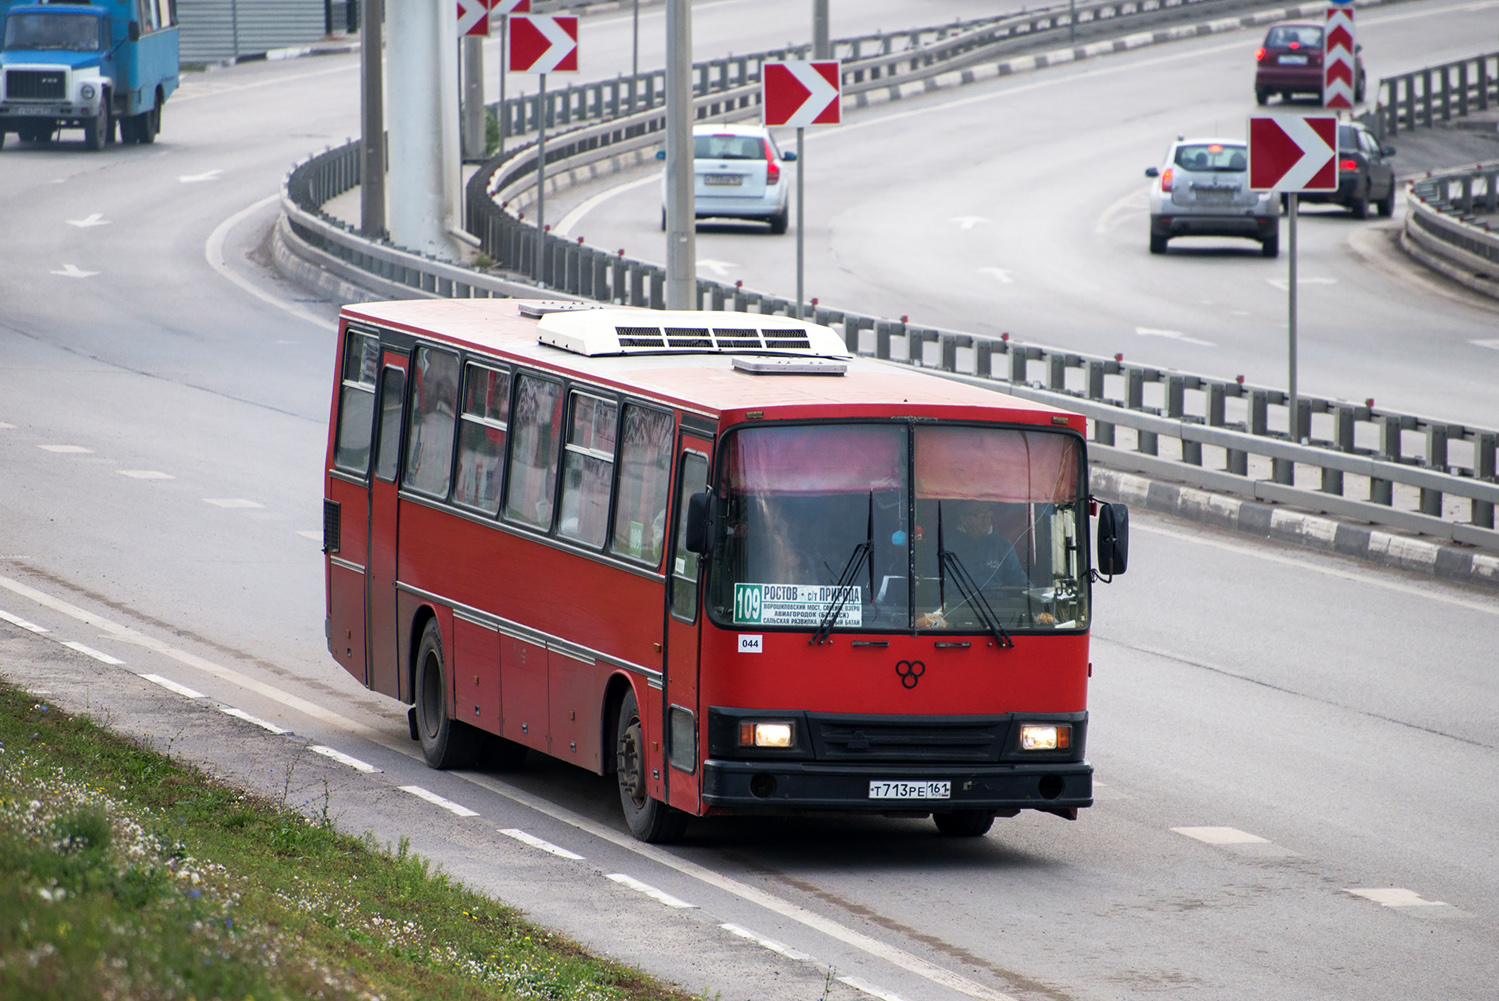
[
  {"x": 1444, "y": 207},
  {"x": 1436, "y": 94},
  {"x": 1419, "y": 474}
]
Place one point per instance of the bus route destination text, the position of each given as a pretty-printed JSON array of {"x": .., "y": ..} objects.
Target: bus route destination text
[{"x": 795, "y": 604}]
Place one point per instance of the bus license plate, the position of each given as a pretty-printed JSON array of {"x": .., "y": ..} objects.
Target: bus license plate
[
  {"x": 879, "y": 789},
  {"x": 734, "y": 179}
]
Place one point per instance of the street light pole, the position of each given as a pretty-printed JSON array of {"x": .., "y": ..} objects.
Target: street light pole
[
  {"x": 681, "y": 226},
  {"x": 372, "y": 144}
]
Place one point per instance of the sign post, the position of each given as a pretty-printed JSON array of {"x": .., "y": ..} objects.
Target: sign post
[
  {"x": 1291, "y": 154},
  {"x": 1339, "y": 67},
  {"x": 505, "y": 8},
  {"x": 542, "y": 44},
  {"x": 801, "y": 94}
]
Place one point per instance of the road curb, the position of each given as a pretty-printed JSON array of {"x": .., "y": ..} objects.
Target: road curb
[{"x": 1455, "y": 563}]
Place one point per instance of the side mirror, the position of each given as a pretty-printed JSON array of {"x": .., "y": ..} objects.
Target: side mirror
[
  {"x": 660, "y": 154},
  {"x": 1152, "y": 172},
  {"x": 789, "y": 157},
  {"x": 1113, "y": 539},
  {"x": 1387, "y": 151},
  {"x": 697, "y": 522},
  {"x": 134, "y": 31}
]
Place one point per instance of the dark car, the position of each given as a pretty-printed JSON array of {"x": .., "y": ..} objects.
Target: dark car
[
  {"x": 1365, "y": 176},
  {"x": 1290, "y": 63}
]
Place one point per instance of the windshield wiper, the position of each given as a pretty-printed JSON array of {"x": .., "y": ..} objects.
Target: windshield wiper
[
  {"x": 973, "y": 595},
  {"x": 863, "y": 551}
]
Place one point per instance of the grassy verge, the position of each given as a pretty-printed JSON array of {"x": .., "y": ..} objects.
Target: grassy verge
[{"x": 124, "y": 874}]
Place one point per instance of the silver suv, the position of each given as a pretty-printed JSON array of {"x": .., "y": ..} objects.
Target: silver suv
[{"x": 1202, "y": 189}]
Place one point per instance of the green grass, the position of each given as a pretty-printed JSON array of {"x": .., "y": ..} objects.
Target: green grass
[{"x": 125, "y": 874}]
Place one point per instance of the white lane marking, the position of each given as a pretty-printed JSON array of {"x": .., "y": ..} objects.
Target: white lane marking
[
  {"x": 999, "y": 274},
  {"x": 97, "y": 219},
  {"x": 74, "y": 271},
  {"x": 565, "y": 227},
  {"x": 1173, "y": 335},
  {"x": 1492, "y": 344},
  {"x": 446, "y": 804},
  {"x": 145, "y": 474},
  {"x": 785, "y": 908},
  {"x": 719, "y": 268},
  {"x": 1394, "y": 896},
  {"x": 769, "y": 943},
  {"x": 213, "y": 251},
  {"x": 1284, "y": 284},
  {"x": 6, "y": 427},
  {"x": 870, "y": 989},
  {"x": 231, "y": 502},
  {"x": 98, "y": 655},
  {"x": 66, "y": 449},
  {"x": 314, "y": 536},
  {"x": 344, "y": 759},
  {"x": 401, "y": 744},
  {"x": 1491, "y": 608},
  {"x": 649, "y": 890},
  {"x": 207, "y": 175},
  {"x": 241, "y": 714},
  {"x": 171, "y": 686},
  {"x": 1220, "y": 835},
  {"x": 535, "y": 842},
  {"x": 16, "y": 620},
  {"x": 968, "y": 221}
]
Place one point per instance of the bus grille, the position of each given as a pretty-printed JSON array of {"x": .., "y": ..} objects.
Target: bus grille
[
  {"x": 895, "y": 738},
  {"x": 35, "y": 85}
]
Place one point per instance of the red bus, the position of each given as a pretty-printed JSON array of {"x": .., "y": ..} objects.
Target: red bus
[{"x": 716, "y": 555}]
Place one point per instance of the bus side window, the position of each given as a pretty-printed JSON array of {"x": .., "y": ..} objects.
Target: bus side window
[
  {"x": 644, "y": 484},
  {"x": 356, "y": 403},
  {"x": 684, "y": 572},
  {"x": 481, "y": 438},
  {"x": 587, "y": 470},
  {"x": 532, "y": 475},
  {"x": 392, "y": 393},
  {"x": 434, "y": 404}
]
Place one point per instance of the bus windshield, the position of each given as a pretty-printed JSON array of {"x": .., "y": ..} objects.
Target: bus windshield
[
  {"x": 71, "y": 32},
  {"x": 900, "y": 528}
]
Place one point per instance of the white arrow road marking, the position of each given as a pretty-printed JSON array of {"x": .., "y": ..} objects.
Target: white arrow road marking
[
  {"x": 719, "y": 268},
  {"x": 446, "y": 804},
  {"x": 535, "y": 842},
  {"x": 1173, "y": 335},
  {"x": 648, "y": 890},
  {"x": 344, "y": 759},
  {"x": 169, "y": 685},
  {"x": 1492, "y": 344},
  {"x": 968, "y": 221},
  {"x": 97, "y": 219},
  {"x": 1284, "y": 284},
  {"x": 1394, "y": 896},
  {"x": 998, "y": 274},
  {"x": 207, "y": 175},
  {"x": 73, "y": 271}
]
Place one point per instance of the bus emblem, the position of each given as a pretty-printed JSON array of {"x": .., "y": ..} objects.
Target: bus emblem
[{"x": 910, "y": 672}]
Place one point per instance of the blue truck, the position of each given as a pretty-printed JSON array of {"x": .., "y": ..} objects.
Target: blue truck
[{"x": 89, "y": 64}]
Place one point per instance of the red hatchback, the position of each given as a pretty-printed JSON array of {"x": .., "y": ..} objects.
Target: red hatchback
[{"x": 1290, "y": 63}]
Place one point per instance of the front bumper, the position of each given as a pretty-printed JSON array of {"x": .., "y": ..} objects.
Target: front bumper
[{"x": 783, "y": 787}]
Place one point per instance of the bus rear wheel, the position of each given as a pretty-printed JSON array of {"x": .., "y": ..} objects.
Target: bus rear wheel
[
  {"x": 650, "y": 820},
  {"x": 964, "y": 823},
  {"x": 446, "y": 742}
]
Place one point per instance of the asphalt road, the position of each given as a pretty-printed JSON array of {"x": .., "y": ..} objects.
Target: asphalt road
[{"x": 162, "y": 426}]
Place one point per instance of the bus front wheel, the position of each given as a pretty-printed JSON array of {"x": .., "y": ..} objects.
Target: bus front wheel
[
  {"x": 650, "y": 820},
  {"x": 446, "y": 742}
]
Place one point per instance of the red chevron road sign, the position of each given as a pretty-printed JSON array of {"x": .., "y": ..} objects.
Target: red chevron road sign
[
  {"x": 1293, "y": 153},
  {"x": 542, "y": 44},
  {"x": 1338, "y": 66},
  {"x": 802, "y": 93}
]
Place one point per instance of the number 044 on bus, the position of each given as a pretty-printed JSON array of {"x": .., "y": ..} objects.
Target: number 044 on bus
[{"x": 716, "y": 556}]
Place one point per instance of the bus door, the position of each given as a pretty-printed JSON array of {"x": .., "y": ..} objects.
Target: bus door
[
  {"x": 684, "y": 720},
  {"x": 380, "y": 576}
]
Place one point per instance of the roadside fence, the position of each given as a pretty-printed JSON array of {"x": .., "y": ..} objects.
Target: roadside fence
[{"x": 1436, "y": 94}]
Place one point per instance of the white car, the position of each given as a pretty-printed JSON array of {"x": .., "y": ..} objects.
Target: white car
[
  {"x": 1202, "y": 189},
  {"x": 737, "y": 174}
]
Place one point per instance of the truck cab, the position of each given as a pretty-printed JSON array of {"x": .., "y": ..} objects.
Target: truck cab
[{"x": 89, "y": 64}]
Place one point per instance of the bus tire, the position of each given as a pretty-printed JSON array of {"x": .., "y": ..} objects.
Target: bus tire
[
  {"x": 446, "y": 742},
  {"x": 964, "y": 823},
  {"x": 650, "y": 820}
]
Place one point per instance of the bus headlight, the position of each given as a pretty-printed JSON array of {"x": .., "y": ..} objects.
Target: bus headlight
[
  {"x": 1045, "y": 736},
  {"x": 766, "y": 734},
  {"x": 86, "y": 92}
]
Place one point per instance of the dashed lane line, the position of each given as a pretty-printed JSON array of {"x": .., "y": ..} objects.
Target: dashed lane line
[
  {"x": 263, "y": 724},
  {"x": 89, "y": 651},
  {"x": 870, "y": 989},
  {"x": 535, "y": 842},
  {"x": 649, "y": 890},
  {"x": 145, "y": 474},
  {"x": 66, "y": 449},
  {"x": 447, "y": 804},
  {"x": 769, "y": 943},
  {"x": 1394, "y": 896},
  {"x": 16, "y": 620},
  {"x": 232, "y": 502},
  {"x": 344, "y": 759},
  {"x": 172, "y": 686},
  {"x": 1221, "y": 835}
]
